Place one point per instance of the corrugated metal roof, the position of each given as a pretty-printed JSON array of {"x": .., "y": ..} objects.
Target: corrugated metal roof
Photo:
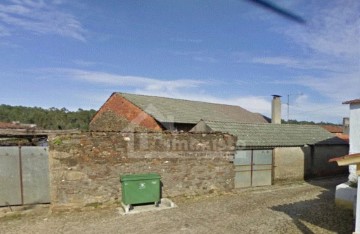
[
  {"x": 191, "y": 112},
  {"x": 275, "y": 135}
]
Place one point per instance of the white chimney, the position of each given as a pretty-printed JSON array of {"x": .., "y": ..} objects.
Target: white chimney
[{"x": 276, "y": 110}]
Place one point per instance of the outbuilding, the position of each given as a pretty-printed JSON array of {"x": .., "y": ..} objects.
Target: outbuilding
[
  {"x": 268, "y": 153},
  {"x": 132, "y": 111}
]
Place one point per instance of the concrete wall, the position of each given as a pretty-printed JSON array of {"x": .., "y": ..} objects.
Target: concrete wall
[
  {"x": 354, "y": 128},
  {"x": 321, "y": 166},
  {"x": 289, "y": 163},
  {"x": 85, "y": 168},
  {"x": 298, "y": 163}
]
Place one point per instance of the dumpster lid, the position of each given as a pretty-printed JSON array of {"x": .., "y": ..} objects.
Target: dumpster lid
[{"x": 149, "y": 176}]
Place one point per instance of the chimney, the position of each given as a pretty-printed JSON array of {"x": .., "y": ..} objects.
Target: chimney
[
  {"x": 346, "y": 123},
  {"x": 276, "y": 110}
]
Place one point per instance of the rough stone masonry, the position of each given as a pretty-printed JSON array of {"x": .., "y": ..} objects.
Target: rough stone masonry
[{"x": 85, "y": 168}]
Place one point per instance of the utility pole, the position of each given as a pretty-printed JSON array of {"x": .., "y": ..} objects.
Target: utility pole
[{"x": 288, "y": 107}]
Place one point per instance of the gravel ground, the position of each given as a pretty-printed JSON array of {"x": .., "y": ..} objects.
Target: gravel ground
[{"x": 306, "y": 207}]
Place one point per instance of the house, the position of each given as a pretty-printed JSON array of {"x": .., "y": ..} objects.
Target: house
[
  {"x": 345, "y": 193},
  {"x": 354, "y": 133},
  {"x": 333, "y": 128},
  {"x": 267, "y": 153},
  {"x": 16, "y": 125},
  {"x": 123, "y": 110},
  {"x": 341, "y": 131}
]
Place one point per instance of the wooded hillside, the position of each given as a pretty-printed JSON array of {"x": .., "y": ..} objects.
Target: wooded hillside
[{"x": 52, "y": 118}]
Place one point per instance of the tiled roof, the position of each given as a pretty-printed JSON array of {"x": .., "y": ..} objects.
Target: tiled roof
[
  {"x": 343, "y": 136},
  {"x": 333, "y": 128},
  {"x": 275, "y": 135},
  {"x": 354, "y": 101},
  {"x": 15, "y": 125},
  {"x": 7, "y": 125},
  {"x": 190, "y": 112}
]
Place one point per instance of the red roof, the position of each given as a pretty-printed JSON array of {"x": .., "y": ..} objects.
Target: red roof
[
  {"x": 16, "y": 125},
  {"x": 7, "y": 125},
  {"x": 355, "y": 101},
  {"x": 333, "y": 128},
  {"x": 343, "y": 136}
]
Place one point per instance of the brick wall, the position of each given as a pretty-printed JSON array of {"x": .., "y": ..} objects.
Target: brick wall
[
  {"x": 118, "y": 113},
  {"x": 85, "y": 168}
]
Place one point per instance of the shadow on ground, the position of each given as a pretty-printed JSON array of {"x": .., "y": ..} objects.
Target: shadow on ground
[{"x": 309, "y": 215}]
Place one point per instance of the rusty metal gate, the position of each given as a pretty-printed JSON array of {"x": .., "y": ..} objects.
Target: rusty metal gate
[
  {"x": 253, "y": 168},
  {"x": 24, "y": 175}
]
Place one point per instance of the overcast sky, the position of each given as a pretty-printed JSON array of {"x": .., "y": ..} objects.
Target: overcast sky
[{"x": 74, "y": 54}]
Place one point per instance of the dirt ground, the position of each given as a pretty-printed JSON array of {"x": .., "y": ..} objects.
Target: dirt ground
[{"x": 303, "y": 207}]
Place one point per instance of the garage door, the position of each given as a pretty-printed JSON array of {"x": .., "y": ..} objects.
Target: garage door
[
  {"x": 253, "y": 168},
  {"x": 24, "y": 175}
]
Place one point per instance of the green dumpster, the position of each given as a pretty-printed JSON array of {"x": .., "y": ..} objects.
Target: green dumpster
[{"x": 140, "y": 188}]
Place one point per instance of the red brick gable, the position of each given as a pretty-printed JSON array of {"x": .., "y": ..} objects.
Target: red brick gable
[{"x": 126, "y": 110}]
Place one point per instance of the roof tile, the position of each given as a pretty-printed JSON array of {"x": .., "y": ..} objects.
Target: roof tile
[
  {"x": 354, "y": 101},
  {"x": 276, "y": 135},
  {"x": 191, "y": 112}
]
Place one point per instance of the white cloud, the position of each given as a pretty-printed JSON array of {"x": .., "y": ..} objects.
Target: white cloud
[
  {"x": 330, "y": 43},
  {"x": 302, "y": 108},
  {"x": 338, "y": 87},
  {"x": 189, "y": 89},
  {"x": 196, "y": 55},
  {"x": 110, "y": 79},
  {"x": 291, "y": 62},
  {"x": 4, "y": 31},
  {"x": 187, "y": 40},
  {"x": 334, "y": 30},
  {"x": 332, "y": 34},
  {"x": 84, "y": 63},
  {"x": 206, "y": 59},
  {"x": 330, "y": 39},
  {"x": 39, "y": 17},
  {"x": 298, "y": 63}
]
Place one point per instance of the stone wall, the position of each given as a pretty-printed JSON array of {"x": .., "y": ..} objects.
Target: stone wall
[{"x": 85, "y": 168}]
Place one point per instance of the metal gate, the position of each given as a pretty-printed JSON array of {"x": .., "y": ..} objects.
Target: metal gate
[
  {"x": 24, "y": 175},
  {"x": 253, "y": 168}
]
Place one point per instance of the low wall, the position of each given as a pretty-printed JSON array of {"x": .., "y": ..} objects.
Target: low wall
[{"x": 85, "y": 168}]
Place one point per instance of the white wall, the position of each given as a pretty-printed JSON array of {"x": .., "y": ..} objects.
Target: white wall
[
  {"x": 354, "y": 128},
  {"x": 354, "y": 140}
]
